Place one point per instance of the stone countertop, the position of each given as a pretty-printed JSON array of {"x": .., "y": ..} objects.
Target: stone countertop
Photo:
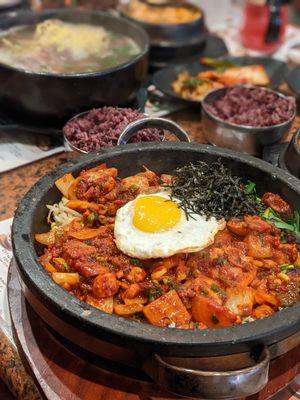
[{"x": 15, "y": 183}]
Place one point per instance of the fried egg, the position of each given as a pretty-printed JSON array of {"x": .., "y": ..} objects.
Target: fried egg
[{"x": 154, "y": 226}]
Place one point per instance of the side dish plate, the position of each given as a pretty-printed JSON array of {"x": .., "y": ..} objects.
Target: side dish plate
[{"x": 163, "y": 79}]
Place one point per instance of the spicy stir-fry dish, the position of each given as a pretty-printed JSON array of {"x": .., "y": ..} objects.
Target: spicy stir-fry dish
[{"x": 196, "y": 249}]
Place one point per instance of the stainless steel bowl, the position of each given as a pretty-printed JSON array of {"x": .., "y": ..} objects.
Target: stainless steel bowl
[
  {"x": 67, "y": 144},
  {"x": 151, "y": 122},
  {"x": 242, "y": 138}
]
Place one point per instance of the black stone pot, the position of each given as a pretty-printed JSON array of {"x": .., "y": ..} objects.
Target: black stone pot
[
  {"x": 57, "y": 97},
  {"x": 172, "y": 43},
  {"x": 135, "y": 343}
]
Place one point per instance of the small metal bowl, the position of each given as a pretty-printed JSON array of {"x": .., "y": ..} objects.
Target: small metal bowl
[
  {"x": 131, "y": 129},
  {"x": 67, "y": 144},
  {"x": 149, "y": 122},
  {"x": 242, "y": 138},
  {"x": 290, "y": 159}
]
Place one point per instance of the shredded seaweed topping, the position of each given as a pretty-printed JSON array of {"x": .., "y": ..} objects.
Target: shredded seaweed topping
[{"x": 212, "y": 190}]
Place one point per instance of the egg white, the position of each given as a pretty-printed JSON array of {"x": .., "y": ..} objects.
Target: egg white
[{"x": 187, "y": 236}]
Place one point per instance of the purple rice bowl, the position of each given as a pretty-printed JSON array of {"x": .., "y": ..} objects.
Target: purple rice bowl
[
  {"x": 100, "y": 128},
  {"x": 252, "y": 106}
]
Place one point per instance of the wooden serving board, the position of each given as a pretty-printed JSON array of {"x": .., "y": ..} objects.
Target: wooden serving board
[{"x": 62, "y": 371}]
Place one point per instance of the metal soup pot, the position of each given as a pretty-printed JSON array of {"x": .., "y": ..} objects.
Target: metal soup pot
[
  {"x": 51, "y": 97},
  {"x": 216, "y": 363}
]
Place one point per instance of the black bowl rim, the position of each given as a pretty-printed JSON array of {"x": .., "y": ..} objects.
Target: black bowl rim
[
  {"x": 49, "y": 13},
  {"x": 165, "y": 26},
  {"x": 93, "y": 320},
  {"x": 246, "y": 128},
  {"x": 290, "y": 80},
  {"x": 291, "y": 150},
  {"x": 295, "y": 142}
]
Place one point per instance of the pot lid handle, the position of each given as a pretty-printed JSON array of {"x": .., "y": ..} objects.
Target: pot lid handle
[
  {"x": 149, "y": 122},
  {"x": 199, "y": 384}
]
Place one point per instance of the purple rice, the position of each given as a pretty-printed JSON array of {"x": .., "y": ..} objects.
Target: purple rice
[
  {"x": 102, "y": 127},
  {"x": 252, "y": 106}
]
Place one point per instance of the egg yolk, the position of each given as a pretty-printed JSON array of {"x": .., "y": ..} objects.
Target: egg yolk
[{"x": 155, "y": 214}]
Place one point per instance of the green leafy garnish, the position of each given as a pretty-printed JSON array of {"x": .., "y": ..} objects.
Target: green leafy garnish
[
  {"x": 133, "y": 188},
  {"x": 135, "y": 261},
  {"x": 291, "y": 225},
  {"x": 154, "y": 293},
  {"x": 250, "y": 191},
  {"x": 93, "y": 216},
  {"x": 192, "y": 83},
  {"x": 250, "y": 188},
  {"x": 173, "y": 286},
  {"x": 196, "y": 325},
  {"x": 218, "y": 65},
  {"x": 215, "y": 288},
  {"x": 288, "y": 267},
  {"x": 63, "y": 264}
]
